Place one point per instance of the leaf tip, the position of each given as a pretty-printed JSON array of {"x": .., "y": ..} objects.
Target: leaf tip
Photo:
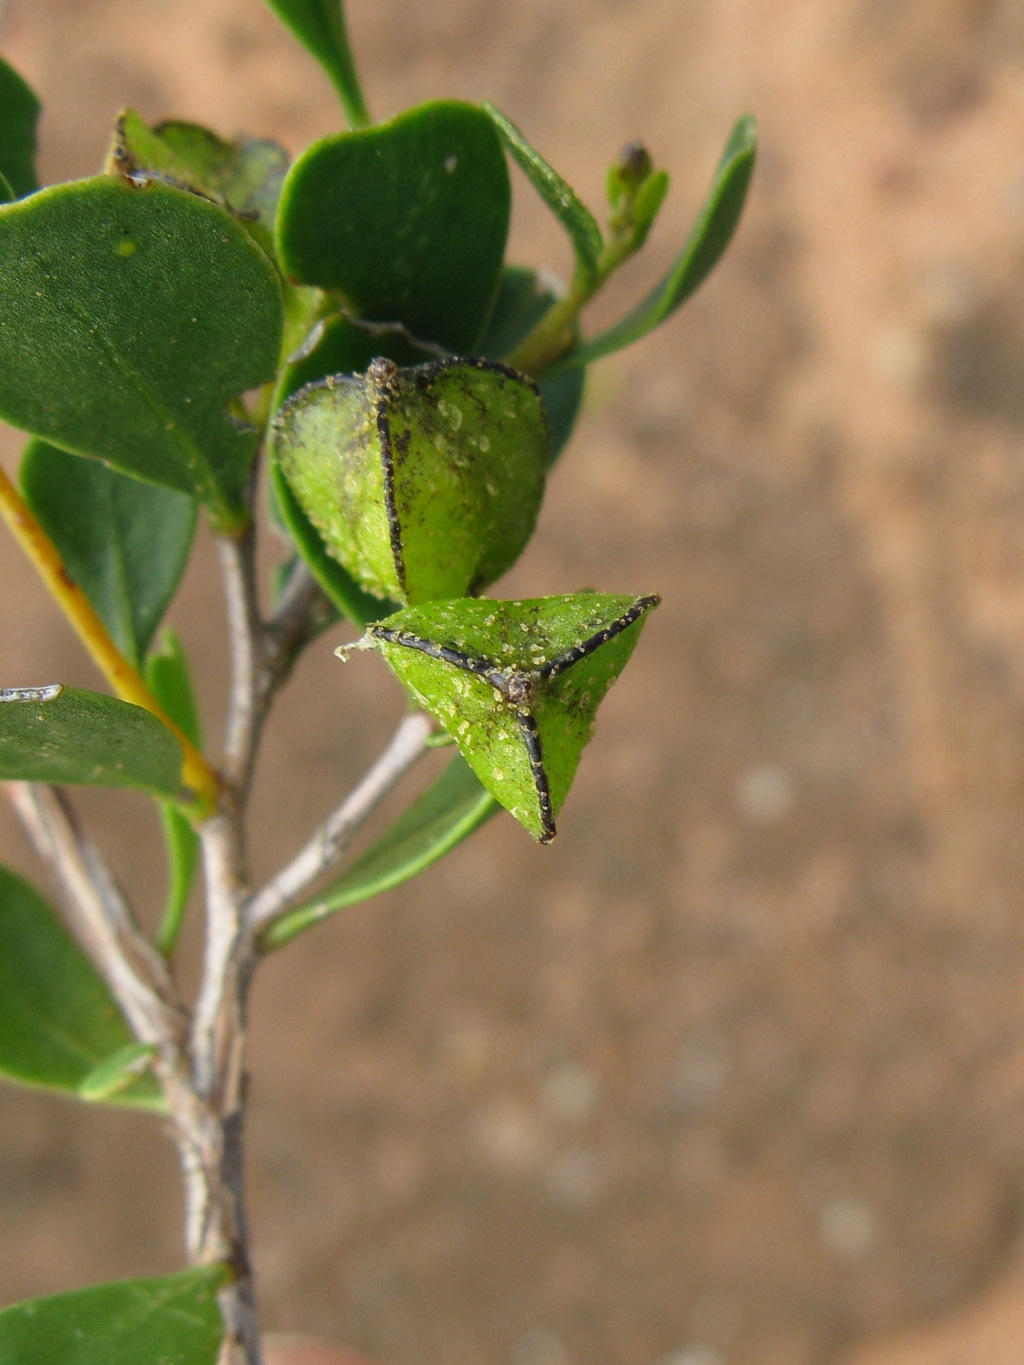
[{"x": 744, "y": 136}]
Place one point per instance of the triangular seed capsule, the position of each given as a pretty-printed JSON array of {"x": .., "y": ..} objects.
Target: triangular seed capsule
[
  {"x": 424, "y": 482},
  {"x": 516, "y": 684}
]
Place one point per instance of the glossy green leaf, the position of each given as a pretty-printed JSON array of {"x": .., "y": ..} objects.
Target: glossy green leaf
[
  {"x": 351, "y": 600},
  {"x": 55, "y": 734},
  {"x": 406, "y": 220},
  {"x": 58, "y": 1020},
  {"x": 710, "y": 236},
  {"x": 124, "y": 542},
  {"x": 516, "y": 684},
  {"x": 560, "y": 197},
  {"x": 19, "y": 114},
  {"x": 423, "y": 482},
  {"x": 523, "y": 299},
  {"x": 167, "y": 675},
  {"x": 131, "y": 318},
  {"x": 448, "y": 812},
  {"x": 173, "y": 1320},
  {"x": 244, "y": 176},
  {"x": 320, "y": 26}
]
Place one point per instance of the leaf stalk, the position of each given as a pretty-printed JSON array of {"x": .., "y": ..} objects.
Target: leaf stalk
[
  {"x": 554, "y": 333},
  {"x": 85, "y": 621}
]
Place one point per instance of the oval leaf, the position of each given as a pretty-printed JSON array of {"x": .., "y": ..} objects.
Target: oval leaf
[
  {"x": 131, "y": 318},
  {"x": 69, "y": 735},
  {"x": 19, "y": 114},
  {"x": 448, "y": 812},
  {"x": 710, "y": 236},
  {"x": 407, "y": 220},
  {"x": 558, "y": 194},
  {"x": 58, "y": 1020},
  {"x": 423, "y": 482},
  {"x": 124, "y": 542},
  {"x": 174, "y": 1320}
]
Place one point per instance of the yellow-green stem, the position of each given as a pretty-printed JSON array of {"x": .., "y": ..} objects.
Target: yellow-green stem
[
  {"x": 553, "y": 335},
  {"x": 88, "y": 626}
]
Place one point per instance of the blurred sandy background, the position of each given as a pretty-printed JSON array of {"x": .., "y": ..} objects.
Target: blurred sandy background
[{"x": 734, "y": 1072}]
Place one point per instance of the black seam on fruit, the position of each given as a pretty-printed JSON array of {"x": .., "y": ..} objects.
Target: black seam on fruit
[
  {"x": 387, "y": 464},
  {"x": 572, "y": 656},
  {"x": 531, "y": 738}
]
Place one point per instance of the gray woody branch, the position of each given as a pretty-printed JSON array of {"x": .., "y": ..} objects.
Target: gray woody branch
[
  {"x": 99, "y": 916},
  {"x": 325, "y": 848}
]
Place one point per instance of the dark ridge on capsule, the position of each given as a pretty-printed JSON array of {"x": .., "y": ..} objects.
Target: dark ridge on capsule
[
  {"x": 483, "y": 668},
  {"x": 531, "y": 738},
  {"x": 426, "y": 373},
  {"x": 572, "y": 656},
  {"x": 387, "y": 464},
  {"x": 515, "y": 686},
  {"x": 436, "y": 651}
]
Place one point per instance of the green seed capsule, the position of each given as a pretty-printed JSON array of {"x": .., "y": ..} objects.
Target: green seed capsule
[
  {"x": 425, "y": 482},
  {"x": 516, "y": 684}
]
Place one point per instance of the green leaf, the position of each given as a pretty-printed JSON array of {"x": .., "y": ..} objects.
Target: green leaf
[
  {"x": 647, "y": 204},
  {"x": 523, "y": 299},
  {"x": 19, "y": 114},
  {"x": 167, "y": 675},
  {"x": 320, "y": 26},
  {"x": 423, "y": 482},
  {"x": 560, "y": 197},
  {"x": 448, "y": 812},
  {"x": 516, "y": 685},
  {"x": 169, "y": 679},
  {"x": 64, "y": 734},
  {"x": 245, "y": 177},
  {"x": 173, "y": 1320},
  {"x": 710, "y": 236},
  {"x": 335, "y": 580},
  {"x": 58, "y": 1020},
  {"x": 124, "y": 542},
  {"x": 131, "y": 317},
  {"x": 117, "y": 1074},
  {"x": 407, "y": 220}
]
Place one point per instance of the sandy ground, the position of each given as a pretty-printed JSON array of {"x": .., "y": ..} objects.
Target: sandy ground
[{"x": 734, "y": 1072}]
